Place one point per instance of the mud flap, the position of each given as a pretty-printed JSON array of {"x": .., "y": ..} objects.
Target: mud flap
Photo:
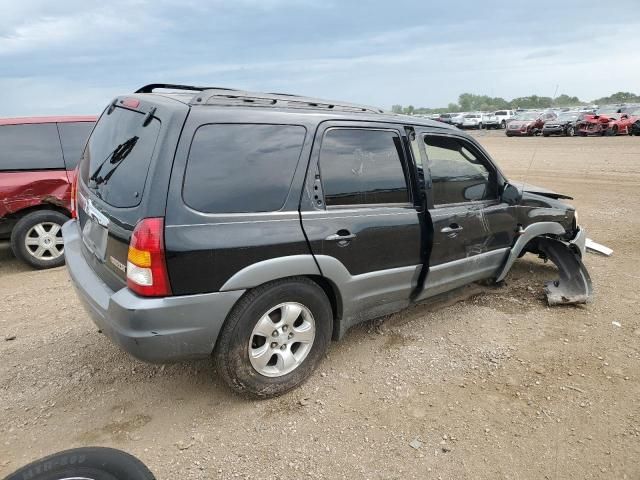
[{"x": 574, "y": 284}]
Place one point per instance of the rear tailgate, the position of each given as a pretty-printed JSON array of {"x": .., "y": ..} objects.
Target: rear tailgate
[{"x": 124, "y": 176}]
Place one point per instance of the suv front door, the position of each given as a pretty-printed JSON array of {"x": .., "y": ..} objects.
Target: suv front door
[
  {"x": 472, "y": 228},
  {"x": 361, "y": 221}
]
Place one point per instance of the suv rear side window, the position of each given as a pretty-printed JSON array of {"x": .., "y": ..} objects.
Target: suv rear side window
[
  {"x": 30, "y": 147},
  {"x": 362, "y": 166},
  {"x": 117, "y": 158},
  {"x": 238, "y": 168},
  {"x": 457, "y": 173},
  {"x": 73, "y": 136}
]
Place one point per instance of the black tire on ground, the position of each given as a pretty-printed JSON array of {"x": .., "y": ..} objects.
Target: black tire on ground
[
  {"x": 96, "y": 463},
  {"x": 22, "y": 229},
  {"x": 503, "y": 124},
  {"x": 570, "y": 132},
  {"x": 231, "y": 353},
  {"x": 545, "y": 134}
]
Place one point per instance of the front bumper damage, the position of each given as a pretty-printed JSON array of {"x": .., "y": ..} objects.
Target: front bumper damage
[{"x": 574, "y": 285}]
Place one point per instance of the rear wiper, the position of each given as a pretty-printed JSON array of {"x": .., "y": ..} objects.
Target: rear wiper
[{"x": 115, "y": 157}]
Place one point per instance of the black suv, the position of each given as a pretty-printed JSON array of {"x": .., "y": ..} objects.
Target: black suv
[{"x": 255, "y": 227}]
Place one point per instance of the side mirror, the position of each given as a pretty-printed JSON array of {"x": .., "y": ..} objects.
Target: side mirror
[{"x": 511, "y": 194}]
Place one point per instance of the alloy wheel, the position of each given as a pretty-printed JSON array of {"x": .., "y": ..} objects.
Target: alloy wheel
[
  {"x": 281, "y": 339},
  {"x": 44, "y": 241}
]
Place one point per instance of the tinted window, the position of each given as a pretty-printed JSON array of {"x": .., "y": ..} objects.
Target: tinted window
[
  {"x": 241, "y": 168},
  {"x": 30, "y": 147},
  {"x": 73, "y": 136},
  {"x": 501, "y": 112},
  {"x": 457, "y": 174},
  {"x": 118, "y": 154},
  {"x": 360, "y": 166}
]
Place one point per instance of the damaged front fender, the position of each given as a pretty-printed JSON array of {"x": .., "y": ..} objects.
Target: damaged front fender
[{"x": 574, "y": 284}]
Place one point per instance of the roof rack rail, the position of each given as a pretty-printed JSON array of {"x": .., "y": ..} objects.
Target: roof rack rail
[
  {"x": 171, "y": 86},
  {"x": 222, "y": 96}
]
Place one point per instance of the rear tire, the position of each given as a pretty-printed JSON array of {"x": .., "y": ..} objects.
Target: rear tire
[
  {"x": 36, "y": 239},
  {"x": 95, "y": 463},
  {"x": 503, "y": 125},
  {"x": 571, "y": 132},
  {"x": 267, "y": 366}
]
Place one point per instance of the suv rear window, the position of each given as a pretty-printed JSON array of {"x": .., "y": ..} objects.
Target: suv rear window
[
  {"x": 236, "y": 168},
  {"x": 30, "y": 147},
  {"x": 73, "y": 136},
  {"x": 362, "y": 166},
  {"x": 117, "y": 158}
]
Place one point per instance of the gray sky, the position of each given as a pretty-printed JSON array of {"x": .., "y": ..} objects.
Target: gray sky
[{"x": 72, "y": 56}]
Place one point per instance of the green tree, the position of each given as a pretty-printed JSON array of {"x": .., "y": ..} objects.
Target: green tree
[
  {"x": 618, "y": 97},
  {"x": 565, "y": 100},
  {"x": 396, "y": 108}
]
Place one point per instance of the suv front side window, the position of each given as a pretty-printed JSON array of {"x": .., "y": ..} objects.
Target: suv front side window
[
  {"x": 361, "y": 166},
  {"x": 458, "y": 174}
]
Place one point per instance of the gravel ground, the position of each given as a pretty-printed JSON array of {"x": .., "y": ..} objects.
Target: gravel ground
[{"x": 491, "y": 384}]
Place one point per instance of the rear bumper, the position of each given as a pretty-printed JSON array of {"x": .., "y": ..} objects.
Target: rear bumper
[{"x": 156, "y": 330}]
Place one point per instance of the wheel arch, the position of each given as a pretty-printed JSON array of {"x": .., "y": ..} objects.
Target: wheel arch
[
  {"x": 526, "y": 236},
  {"x": 289, "y": 267}
]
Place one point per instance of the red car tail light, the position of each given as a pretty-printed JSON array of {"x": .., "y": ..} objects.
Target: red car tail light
[
  {"x": 74, "y": 194},
  {"x": 146, "y": 266}
]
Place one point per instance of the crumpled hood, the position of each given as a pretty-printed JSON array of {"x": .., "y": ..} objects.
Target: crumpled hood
[{"x": 527, "y": 187}]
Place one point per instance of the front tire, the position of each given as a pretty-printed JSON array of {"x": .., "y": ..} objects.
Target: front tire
[
  {"x": 95, "y": 463},
  {"x": 571, "y": 132},
  {"x": 503, "y": 125},
  {"x": 36, "y": 239},
  {"x": 274, "y": 337}
]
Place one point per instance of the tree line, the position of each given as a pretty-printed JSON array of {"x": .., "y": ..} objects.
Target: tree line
[{"x": 469, "y": 102}]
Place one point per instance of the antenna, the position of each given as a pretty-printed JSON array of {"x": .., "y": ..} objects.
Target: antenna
[{"x": 526, "y": 174}]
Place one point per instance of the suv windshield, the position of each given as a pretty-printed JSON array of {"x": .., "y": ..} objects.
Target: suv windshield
[{"x": 117, "y": 157}]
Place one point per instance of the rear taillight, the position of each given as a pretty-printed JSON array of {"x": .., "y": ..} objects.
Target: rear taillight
[
  {"x": 146, "y": 266},
  {"x": 74, "y": 194}
]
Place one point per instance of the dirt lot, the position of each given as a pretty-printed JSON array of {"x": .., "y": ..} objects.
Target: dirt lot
[{"x": 495, "y": 385}]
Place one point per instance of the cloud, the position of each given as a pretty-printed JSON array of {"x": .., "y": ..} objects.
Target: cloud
[{"x": 75, "y": 55}]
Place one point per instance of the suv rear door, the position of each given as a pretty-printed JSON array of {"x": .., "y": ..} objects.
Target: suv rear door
[
  {"x": 472, "y": 227},
  {"x": 362, "y": 222}
]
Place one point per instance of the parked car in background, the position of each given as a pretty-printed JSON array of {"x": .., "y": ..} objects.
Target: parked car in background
[
  {"x": 445, "y": 117},
  {"x": 269, "y": 224},
  {"x": 38, "y": 156},
  {"x": 457, "y": 118},
  {"x": 490, "y": 120},
  {"x": 565, "y": 124},
  {"x": 472, "y": 120},
  {"x": 503, "y": 117},
  {"x": 528, "y": 123},
  {"x": 635, "y": 114},
  {"x": 606, "y": 124}
]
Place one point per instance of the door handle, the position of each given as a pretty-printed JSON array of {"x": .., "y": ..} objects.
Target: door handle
[
  {"x": 454, "y": 227},
  {"x": 340, "y": 236}
]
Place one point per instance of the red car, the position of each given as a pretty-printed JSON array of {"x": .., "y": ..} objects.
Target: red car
[
  {"x": 528, "y": 123},
  {"x": 38, "y": 156},
  {"x": 606, "y": 122}
]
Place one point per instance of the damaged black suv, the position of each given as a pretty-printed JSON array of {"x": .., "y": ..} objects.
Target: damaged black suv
[{"x": 256, "y": 227}]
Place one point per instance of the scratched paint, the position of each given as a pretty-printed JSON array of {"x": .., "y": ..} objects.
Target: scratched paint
[{"x": 20, "y": 190}]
